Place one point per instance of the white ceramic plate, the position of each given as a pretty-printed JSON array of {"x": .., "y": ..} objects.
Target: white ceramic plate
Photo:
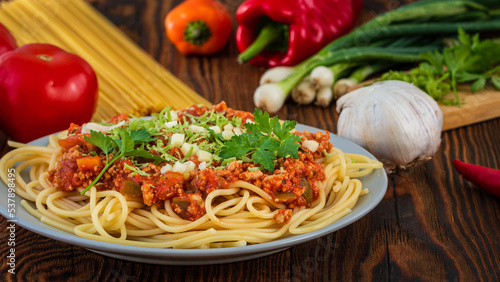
[{"x": 376, "y": 183}]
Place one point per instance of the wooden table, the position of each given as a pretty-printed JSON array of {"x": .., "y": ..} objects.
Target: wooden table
[{"x": 431, "y": 224}]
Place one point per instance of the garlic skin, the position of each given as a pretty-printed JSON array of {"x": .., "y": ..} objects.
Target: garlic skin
[{"x": 395, "y": 121}]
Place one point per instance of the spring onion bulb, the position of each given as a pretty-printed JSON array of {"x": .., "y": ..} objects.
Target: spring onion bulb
[
  {"x": 324, "y": 96},
  {"x": 304, "y": 93},
  {"x": 275, "y": 74},
  {"x": 359, "y": 75},
  {"x": 368, "y": 42},
  {"x": 321, "y": 76},
  {"x": 343, "y": 86},
  {"x": 269, "y": 97},
  {"x": 394, "y": 120},
  {"x": 283, "y": 88},
  {"x": 326, "y": 76}
]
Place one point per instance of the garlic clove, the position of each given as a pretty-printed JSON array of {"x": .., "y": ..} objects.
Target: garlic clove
[{"x": 394, "y": 120}]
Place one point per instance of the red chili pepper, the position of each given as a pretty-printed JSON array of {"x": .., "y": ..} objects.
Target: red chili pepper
[
  {"x": 42, "y": 90},
  {"x": 285, "y": 32},
  {"x": 488, "y": 179},
  {"x": 7, "y": 41}
]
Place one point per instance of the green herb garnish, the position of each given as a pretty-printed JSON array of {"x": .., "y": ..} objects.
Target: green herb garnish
[
  {"x": 265, "y": 141},
  {"x": 123, "y": 145},
  {"x": 468, "y": 59}
]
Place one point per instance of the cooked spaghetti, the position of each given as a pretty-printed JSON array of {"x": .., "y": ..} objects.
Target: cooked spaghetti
[{"x": 188, "y": 179}]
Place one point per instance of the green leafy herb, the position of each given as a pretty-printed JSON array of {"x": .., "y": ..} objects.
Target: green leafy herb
[
  {"x": 122, "y": 146},
  {"x": 146, "y": 155},
  {"x": 468, "y": 59},
  {"x": 141, "y": 136},
  {"x": 265, "y": 141},
  {"x": 99, "y": 139}
]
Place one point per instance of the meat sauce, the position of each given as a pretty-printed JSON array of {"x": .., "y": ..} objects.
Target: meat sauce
[{"x": 293, "y": 183}]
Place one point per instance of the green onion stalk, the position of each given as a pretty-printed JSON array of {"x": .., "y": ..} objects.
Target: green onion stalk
[{"x": 423, "y": 18}]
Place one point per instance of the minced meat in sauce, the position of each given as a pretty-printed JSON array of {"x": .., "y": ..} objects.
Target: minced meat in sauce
[{"x": 293, "y": 183}]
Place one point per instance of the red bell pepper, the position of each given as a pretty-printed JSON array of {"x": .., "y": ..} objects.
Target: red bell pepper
[
  {"x": 488, "y": 179},
  {"x": 42, "y": 90},
  {"x": 286, "y": 32},
  {"x": 7, "y": 41}
]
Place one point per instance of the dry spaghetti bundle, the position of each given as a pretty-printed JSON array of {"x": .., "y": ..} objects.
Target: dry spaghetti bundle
[{"x": 130, "y": 81}]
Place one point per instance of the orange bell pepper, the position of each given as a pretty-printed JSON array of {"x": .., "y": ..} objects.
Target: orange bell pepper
[
  {"x": 199, "y": 26},
  {"x": 88, "y": 163}
]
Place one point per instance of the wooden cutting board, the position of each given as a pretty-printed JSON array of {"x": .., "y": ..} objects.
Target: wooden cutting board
[{"x": 477, "y": 107}]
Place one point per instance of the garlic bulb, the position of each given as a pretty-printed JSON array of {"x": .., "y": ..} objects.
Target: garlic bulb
[{"x": 394, "y": 120}]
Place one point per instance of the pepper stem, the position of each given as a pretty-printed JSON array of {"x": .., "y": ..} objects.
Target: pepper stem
[
  {"x": 270, "y": 32},
  {"x": 197, "y": 32}
]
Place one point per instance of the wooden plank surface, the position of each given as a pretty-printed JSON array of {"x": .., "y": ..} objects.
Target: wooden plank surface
[
  {"x": 477, "y": 107},
  {"x": 431, "y": 225}
]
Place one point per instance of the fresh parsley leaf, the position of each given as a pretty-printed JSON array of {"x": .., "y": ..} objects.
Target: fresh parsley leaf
[
  {"x": 465, "y": 39},
  {"x": 237, "y": 147},
  {"x": 496, "y": 82},
  {"x": 125, "y": 142},
  {"x": 458, "y": 59},
  {"x": 467, "y": 77},
  {"x": 141, "y": 135},
  {"x": 264, "y": 158},
  {"x": 435, "y": 59},
  {"x": 290, "y": 147},
  {"x": 125, "y": 146},
  {"x": 102, "y": 141},
  {"x": 262, "y": 122},
  {"x": 265, "y": 141},
  {"x": 467, "y": 60},
  {"x": 145, "y": 154},
  {"x": 283, "y": 131},
  {"x": 478, "y": 84}
]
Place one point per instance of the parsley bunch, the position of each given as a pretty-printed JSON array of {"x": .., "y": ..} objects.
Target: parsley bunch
[
  {"x": 468, "y": 59},
  {"x": 122, "y": 145},
  {"x": 265, "y": 141}
]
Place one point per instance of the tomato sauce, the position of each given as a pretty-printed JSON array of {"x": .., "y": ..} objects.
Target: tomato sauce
[{"x": 293, "y": 182}]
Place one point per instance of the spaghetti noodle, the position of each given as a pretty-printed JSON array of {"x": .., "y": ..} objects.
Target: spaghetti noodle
[{"x": 215, "y": 203}]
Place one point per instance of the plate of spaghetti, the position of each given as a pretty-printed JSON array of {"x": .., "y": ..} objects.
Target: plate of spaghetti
[{"x": 201, "y": 185}]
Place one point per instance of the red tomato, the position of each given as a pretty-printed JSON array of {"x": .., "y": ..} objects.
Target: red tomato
[
  {"x": 7, "y": 41},
  {"x": 42, "y": 90}
]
